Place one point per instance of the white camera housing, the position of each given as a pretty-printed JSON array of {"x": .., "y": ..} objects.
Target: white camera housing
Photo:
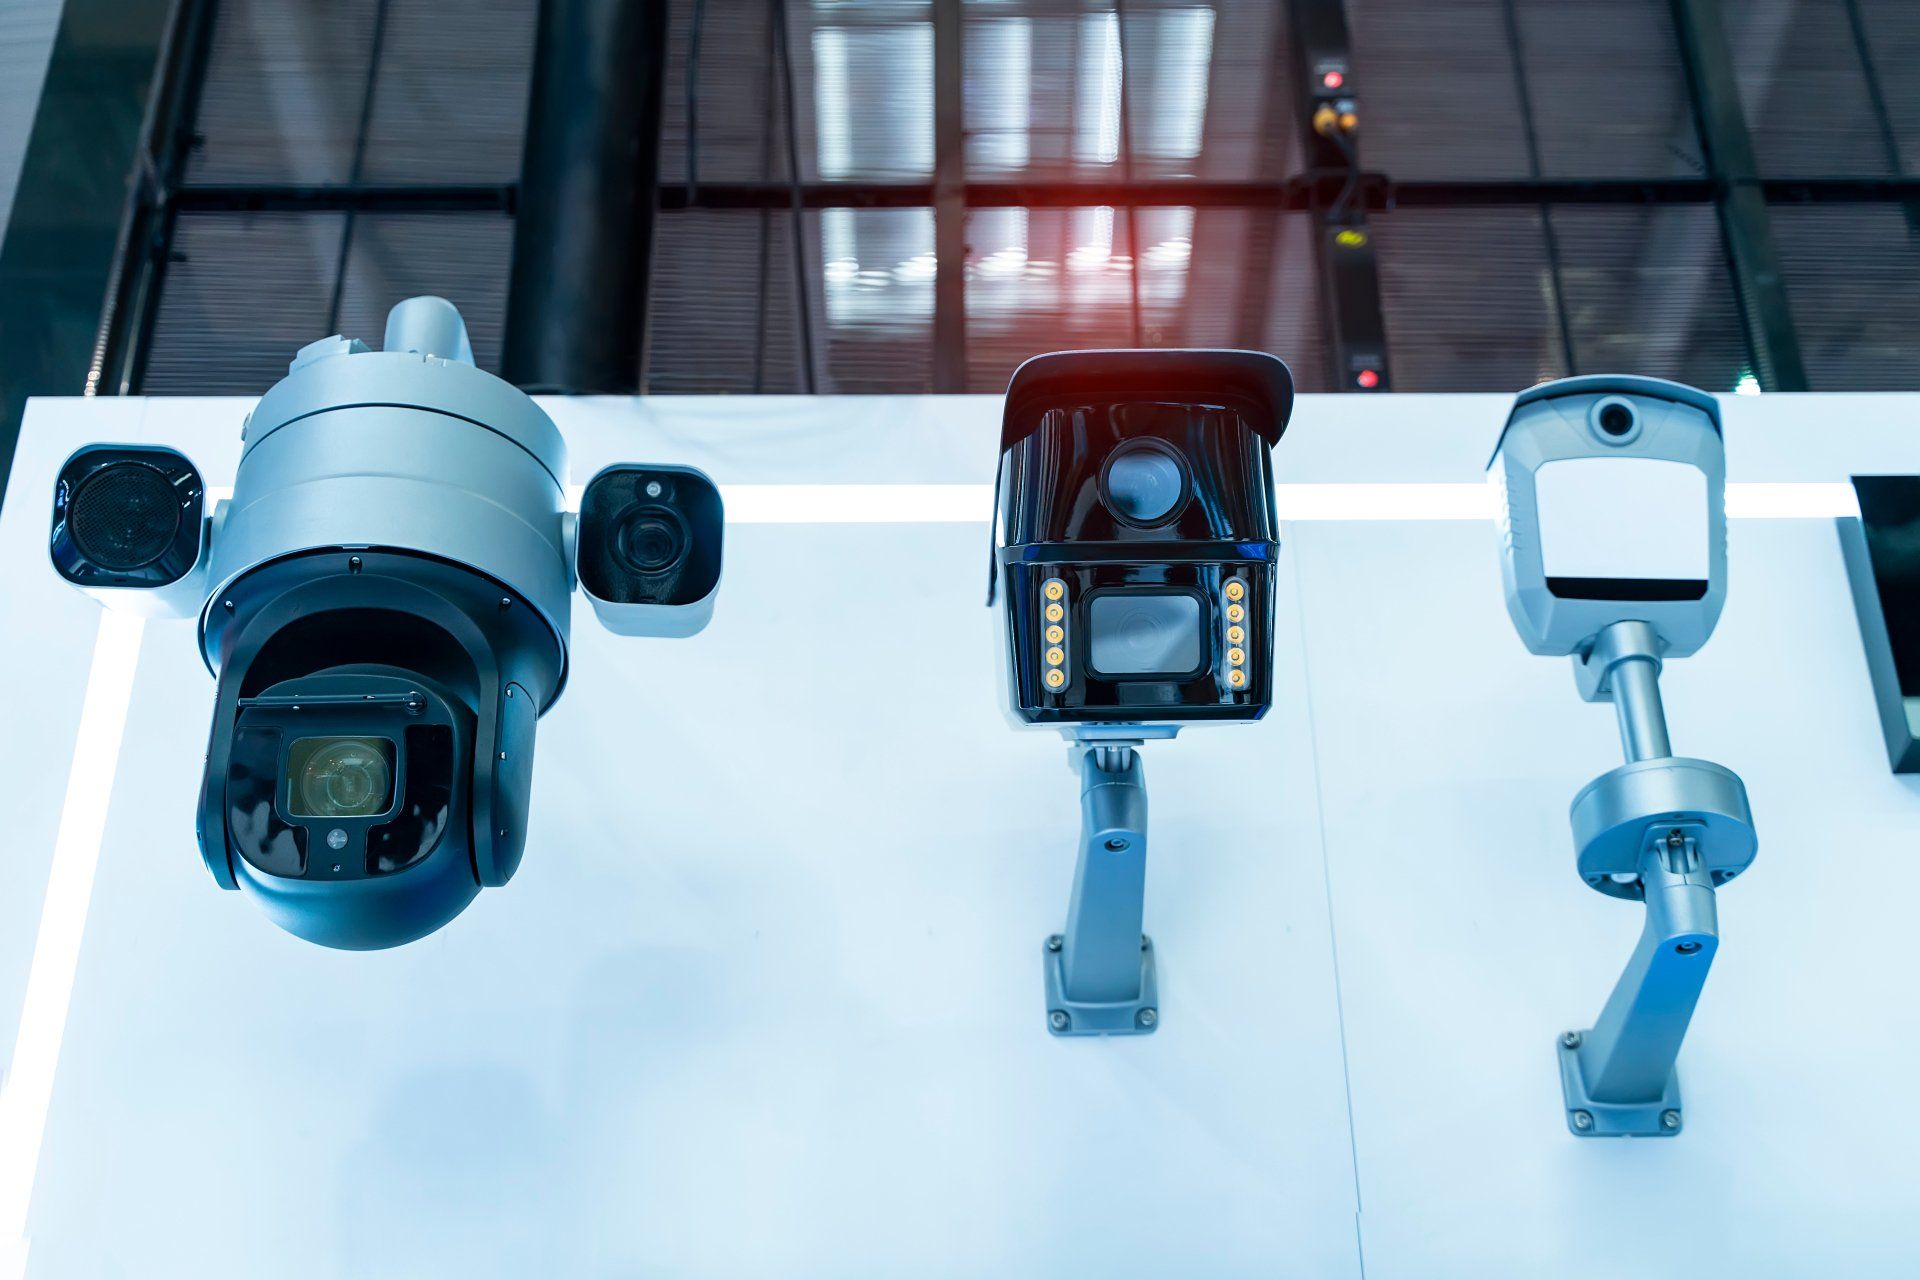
[{"x": 1613, "y": 510}]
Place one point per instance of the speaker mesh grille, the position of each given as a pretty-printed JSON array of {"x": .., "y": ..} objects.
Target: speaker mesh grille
[{"x": 124, "y": 516}]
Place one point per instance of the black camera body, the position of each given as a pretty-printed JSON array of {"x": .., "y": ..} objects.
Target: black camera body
[
  {"x": 371, "y": 757},
  {"x": 1136, "y": 536}
]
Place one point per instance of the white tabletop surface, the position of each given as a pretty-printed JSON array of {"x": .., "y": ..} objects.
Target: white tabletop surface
[{"x": 765, "y": 998}]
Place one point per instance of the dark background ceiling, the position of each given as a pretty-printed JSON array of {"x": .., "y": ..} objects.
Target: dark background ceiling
[{"x": 1543, "y": 202}]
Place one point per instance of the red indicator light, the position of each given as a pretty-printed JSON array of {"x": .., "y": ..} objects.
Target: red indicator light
[
  {"x": 1368, "y": 379},
  {"x": 1333, "y": 79}
]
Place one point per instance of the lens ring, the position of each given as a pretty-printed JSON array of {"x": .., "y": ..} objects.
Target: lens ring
[
  {"x": 651, "y": 539},
  {"x": 345, "y": 778},
  {"x": 1615, "y": 420},
  {"x": 1145, "y": 482}
]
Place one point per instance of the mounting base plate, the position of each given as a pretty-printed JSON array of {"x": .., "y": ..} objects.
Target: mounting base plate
[
  {"x": 1067, "y": 1017},
  {"x": 1661, "y": 1118}
]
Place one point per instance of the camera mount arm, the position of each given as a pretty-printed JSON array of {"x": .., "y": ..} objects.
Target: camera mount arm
[
  {"x": 1668, "y": 831},
  {"x": 1100, "y": 972}
]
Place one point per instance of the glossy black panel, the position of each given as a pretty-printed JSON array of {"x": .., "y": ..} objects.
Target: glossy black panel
[
  {"x": 1882, "y": 554},
  {"x": 1890, "y": 514},
  {"x": 426, "y": 807},
  {"x": 254, "y": 824}
]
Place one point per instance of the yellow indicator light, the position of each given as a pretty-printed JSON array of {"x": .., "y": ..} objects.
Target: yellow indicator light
[
  {"x": 1056, "y": 656},
  {"x": 1236, "y": 656},
  {"x": 1236, "y": 613},
  {"x": 1351, "y": 239},
  {"x": 1056, "y": 633},
  {"x": 1236, "y": 589},
  {"x": 1236, "y": 677},
  {"x": 1055, "y": 589},
  {"x": 1056, "y": 677},
  {"x": 1236, "y": 634},
  {"x": 1055, "y": 613}
]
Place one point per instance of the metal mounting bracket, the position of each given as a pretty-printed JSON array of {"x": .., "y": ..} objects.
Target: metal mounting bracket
[
  {"x": 1100, "y": 976},
  {"x": 1668, "y": 831}
]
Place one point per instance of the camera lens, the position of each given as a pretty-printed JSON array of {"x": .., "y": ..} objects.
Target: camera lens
[
  {"x": 1145, "y": 482},
  {"x": 652, "y": 540},
  {"x": 1616, "y": 419},
  {"x": 1144, "y": 633},
  {"x": 340, "y": 777}
]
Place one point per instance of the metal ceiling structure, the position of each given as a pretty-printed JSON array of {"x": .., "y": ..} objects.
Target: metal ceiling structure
[{"x": 914, "y": 195}]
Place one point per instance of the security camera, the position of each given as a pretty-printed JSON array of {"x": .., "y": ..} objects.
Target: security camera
[
  {"x": 1614, "y": 552},
  {"x": 384, "y": 602},
  {"x": 1134, "y": 557},
  {"x": 1615, "y": 509}
]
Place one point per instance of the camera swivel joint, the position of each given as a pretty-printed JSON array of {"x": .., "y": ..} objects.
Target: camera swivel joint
[
  {"x": 1668, "y": 831},
  {"x": 1100, "y": 972}
]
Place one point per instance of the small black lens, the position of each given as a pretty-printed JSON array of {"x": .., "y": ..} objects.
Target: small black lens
[
  {"x": 652, "y": 540},
  {"x": 339, "y": 777},
  {"x": 1145, "y": 482},
  {"x": 1616, "y": 419}
]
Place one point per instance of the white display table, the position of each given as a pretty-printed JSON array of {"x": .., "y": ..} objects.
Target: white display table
[{"x": 765, "y": 998}]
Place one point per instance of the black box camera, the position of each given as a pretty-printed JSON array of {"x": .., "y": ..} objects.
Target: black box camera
[{"x": 1136, "y": 536}]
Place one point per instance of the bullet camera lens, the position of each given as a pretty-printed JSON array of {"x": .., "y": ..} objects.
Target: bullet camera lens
[
  {"x": 340, "y": 777},
  {"x": 1145, "y": 482},
  {"x": 1616, "y": 419},
  {"x": 652, "y": 540}
]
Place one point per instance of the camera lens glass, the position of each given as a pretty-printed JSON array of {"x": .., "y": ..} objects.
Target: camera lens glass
[
  {"x": 1145, "y": 482},
  {"x": 1144, "y": 633},
  {"x": 339, "y": 777},
  {"x": 1616, "y": 419},
  {"x": 652, "y": 539}
]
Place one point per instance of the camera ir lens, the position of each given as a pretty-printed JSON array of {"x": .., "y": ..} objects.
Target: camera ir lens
[
  {"x": 1616, "y": 420},
  {"x": 1145, "y": 482},
  {"x": 339, "y": 777},
  {"x": 652, "y": 540}
]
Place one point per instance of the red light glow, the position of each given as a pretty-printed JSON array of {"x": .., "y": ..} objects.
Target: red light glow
[
  {"x": 1333, "y": 79},
  {"x": 1368, "y": 379}
]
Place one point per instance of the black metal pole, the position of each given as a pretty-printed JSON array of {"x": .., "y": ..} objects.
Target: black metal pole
[
  {"x": 1751, "y": 252},
  {"x": 583, "y": 230}
]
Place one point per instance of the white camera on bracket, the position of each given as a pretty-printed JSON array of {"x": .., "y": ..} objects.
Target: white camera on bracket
[{"x": 1614, "y": 509}]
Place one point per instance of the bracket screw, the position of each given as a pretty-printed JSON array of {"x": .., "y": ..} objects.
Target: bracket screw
[
  {"x": 1669, "y": 1119},
  {"x": 1055, "y": 943},
  {"x": 1571, "y": 1039},
  {"x": 1583, "y": 1120},
  {"x": 1147, "y": 1018},
  {"x": 1058, "y": 1020},
  {"x": 1675, "y": 838}
]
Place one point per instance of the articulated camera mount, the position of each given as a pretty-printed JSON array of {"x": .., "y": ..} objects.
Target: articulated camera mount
[
  {"x": 1668, "y": 831},
  {"x": 1100, "y": 971}
]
